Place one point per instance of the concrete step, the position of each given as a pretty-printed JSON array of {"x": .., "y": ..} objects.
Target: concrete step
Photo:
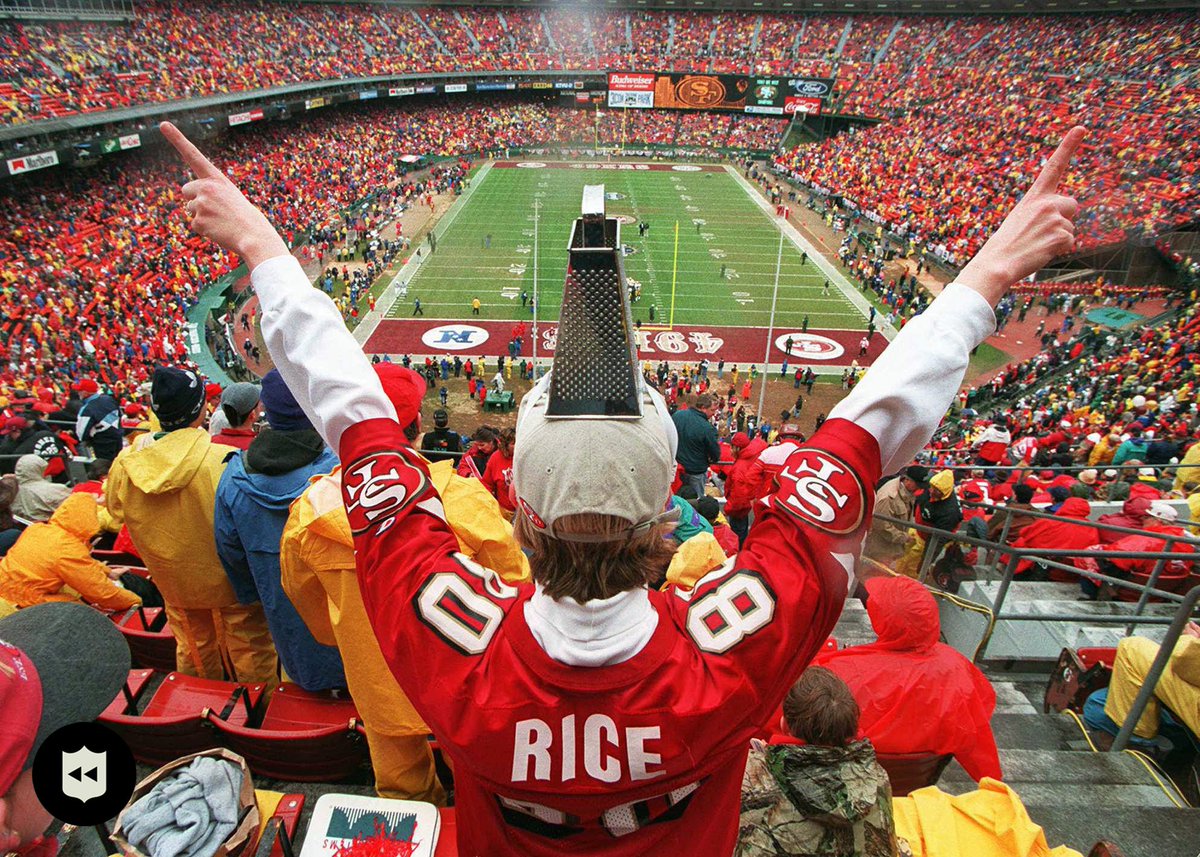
[
  {"x": 1033, "y": 731},
  {"x": 1141, "y": 832},
  {"x": 1049, "y": 767},
  {"x": 1040, "y": 641}
]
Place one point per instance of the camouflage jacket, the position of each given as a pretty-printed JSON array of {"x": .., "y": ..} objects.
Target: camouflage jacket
[{"x": 808, "y": 801}]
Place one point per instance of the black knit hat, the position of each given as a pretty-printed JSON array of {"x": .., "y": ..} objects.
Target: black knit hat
[
  {"x": 177, "y": 396},
  {"x": 917, "y": 473}
]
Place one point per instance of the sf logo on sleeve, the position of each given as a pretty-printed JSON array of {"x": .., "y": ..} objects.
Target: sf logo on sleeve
[
  {"x": 821, "y": 489},
  {"x": 378, "y": 487}
]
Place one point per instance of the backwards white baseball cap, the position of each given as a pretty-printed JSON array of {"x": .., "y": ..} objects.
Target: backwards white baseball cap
[{"x": 611, "y": 466}]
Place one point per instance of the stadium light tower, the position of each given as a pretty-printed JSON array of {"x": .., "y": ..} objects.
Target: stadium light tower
[
  {"x": 766, "y": 373},
  {"x": 537, "y": 207}
]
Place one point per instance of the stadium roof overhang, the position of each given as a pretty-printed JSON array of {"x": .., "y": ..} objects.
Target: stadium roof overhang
[{"x": 886, "y": 7}]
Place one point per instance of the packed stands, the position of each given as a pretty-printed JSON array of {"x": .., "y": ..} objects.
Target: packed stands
[{"x": 1016, "y": 81}]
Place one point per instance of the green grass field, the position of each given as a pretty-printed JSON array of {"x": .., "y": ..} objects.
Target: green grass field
[{"x": 719, "y": 225}]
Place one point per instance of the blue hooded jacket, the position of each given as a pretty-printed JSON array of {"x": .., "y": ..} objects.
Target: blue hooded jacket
[{"x": 248, "y": 519}]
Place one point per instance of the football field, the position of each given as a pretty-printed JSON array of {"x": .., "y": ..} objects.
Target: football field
[{"x": 488, "y": 251}]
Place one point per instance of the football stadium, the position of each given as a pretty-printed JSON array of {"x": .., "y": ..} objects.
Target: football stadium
[{"x": 629, "y": 427}]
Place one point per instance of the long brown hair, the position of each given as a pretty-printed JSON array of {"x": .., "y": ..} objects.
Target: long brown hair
[{"x": 590, "y": 570}]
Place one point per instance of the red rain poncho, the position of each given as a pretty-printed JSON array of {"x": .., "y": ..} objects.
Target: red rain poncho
[
  {"x": 917, "y": 695},
  {"x": 1068, "y": 530}
]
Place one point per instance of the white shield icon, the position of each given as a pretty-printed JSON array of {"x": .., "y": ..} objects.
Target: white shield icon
[{"x": 84, "y": 774}]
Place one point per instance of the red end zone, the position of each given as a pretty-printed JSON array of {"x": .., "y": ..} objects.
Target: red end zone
[
  {"x": 594, "y": 167},
  {"x": 734, "y": 345}
]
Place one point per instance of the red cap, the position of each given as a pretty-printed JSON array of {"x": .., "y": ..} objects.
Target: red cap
[
  {"x": 14, "y": 424},
  {"x": 133, "y": 409},
  {"x": 212, "y": 391},
  {"x": 740, "y": 440},
  {"x": 404, "y": 388},
  {"x": 21, "y": 701},
  {"x": 87, "y": 386}
]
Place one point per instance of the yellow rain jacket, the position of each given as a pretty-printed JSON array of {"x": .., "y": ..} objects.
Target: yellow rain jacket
[
  {"x": 57, "y": 554},
  {"x": 1189, "y": 467},
  {"x": 988, "y": 822},
  {"x": 1178, "y": 688},
  {"x": 317, "y": 564},
  {"x": 164, "y": 490},
  {"x": 695, "y": 558}
]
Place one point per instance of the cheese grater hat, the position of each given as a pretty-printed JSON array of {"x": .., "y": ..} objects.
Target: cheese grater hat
[{"x": 592, "y": 437}]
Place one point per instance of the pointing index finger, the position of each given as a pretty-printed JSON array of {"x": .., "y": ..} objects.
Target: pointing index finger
[
  {"x": 201, "y": 166},
  {"x": 1056, "y": 167}
]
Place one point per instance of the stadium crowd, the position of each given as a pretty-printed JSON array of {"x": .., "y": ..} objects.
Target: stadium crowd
[
  {"x": 887, "y": 64},
  {"x": 1131, "y": 80},
  {"x": 253, "y": 552},
  {"x": 99, "y": 270}
]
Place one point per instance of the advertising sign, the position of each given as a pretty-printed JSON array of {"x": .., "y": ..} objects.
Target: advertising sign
[{"x": 29, "y": 163}]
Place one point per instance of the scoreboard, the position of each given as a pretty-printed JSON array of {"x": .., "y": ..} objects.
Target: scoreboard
[{"x": 781, "y": 95}]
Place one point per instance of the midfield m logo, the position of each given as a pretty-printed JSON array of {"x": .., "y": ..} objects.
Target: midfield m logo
[{"x": 454, "y": 337}]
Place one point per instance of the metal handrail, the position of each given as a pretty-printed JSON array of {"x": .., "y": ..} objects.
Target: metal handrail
[
  {"x": 1150, "y": 683},
  {"x": 1046, "y": 556},
  {"x": 1097, "y": 525}
]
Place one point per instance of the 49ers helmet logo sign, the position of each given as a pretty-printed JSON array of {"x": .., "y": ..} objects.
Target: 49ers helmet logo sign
[
  {"x": 821, "y": 489},
  {"x": 378, "y": 487}
]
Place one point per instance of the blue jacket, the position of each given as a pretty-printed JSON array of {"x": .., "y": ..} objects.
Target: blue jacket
[{"x": 248, "y": 519}]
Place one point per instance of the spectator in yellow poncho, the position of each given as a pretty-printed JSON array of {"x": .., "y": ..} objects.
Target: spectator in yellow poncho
[{"x": 317, "y": 565}]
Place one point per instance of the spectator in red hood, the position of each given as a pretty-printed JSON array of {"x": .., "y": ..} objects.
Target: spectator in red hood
[
  {"x": 1133, "y": 514},
  {"x": 1145, "y": 485},
  {"x": 744, "y": 484},
  {"x": 1161, "y": 519},
  {"x": 1069, "y": 529},
  {"x": 917, "y": 695}
]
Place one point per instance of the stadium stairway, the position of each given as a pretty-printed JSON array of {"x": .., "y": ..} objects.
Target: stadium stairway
[
  {"x": 1034, "y": 643},
  {"x": 1078, "y": 796}
]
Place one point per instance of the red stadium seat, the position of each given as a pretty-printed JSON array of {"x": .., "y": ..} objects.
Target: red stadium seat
[
  {"x": 911, "y": 771},
  {"x": 293, "y": 708},
  {"x": 176, "y": 720},
  {"x": 1076, "y": 676},
  {"x": 447, "y": 844},
  {"x": 278, "y": 832},
  {"x": 150, "y": 640},
  {"x": 131, "y": 692},
  {"x": 320, "y": 755}
]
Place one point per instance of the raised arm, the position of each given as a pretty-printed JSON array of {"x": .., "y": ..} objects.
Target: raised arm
[
  {"x": 323, "y": 366},
  {"x": 903, "y": 397}
]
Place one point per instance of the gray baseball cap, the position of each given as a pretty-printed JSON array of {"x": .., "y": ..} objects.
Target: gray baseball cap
[
  {"x": 239, "y": 399},
  {"x": 81, "y": 661}
]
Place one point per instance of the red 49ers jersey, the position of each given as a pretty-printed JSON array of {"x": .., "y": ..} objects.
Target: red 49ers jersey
[{"x": 644, "y": 757}]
